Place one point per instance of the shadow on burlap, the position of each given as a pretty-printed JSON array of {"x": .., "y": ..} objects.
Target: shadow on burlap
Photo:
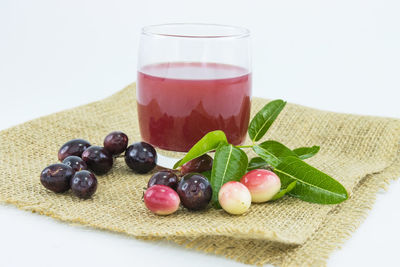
[{"x": 359, "y": 151}]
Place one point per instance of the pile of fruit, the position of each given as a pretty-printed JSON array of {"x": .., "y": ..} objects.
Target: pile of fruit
[
  {"x": 80, "y": 161},
  {"x": 230, "y": 181},
  {"x": 165, "y": 191}
]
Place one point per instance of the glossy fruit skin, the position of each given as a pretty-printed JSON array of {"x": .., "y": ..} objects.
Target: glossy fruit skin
[
  {"x": 167, "y": 178},
  {"x": 84, "y": 184},
  {"x": 57, "y": 177},
  {"x": 98, "y": 159},
  {"x": 234, "y": 198},
  {"x": 74, "y": 147},
  {"x": 200, "y": 164},
  {"x": 116, "y": 142},
  {"x": 141, "y": 157},
  {"x": 262, "y": 184},
  {"x": 161, "y": 200},
  {"x": 195, "y": 191},
  {"x": 76, "y": 163}
]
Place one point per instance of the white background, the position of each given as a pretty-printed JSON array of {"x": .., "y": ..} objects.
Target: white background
[{"x": 341, "y": 55}]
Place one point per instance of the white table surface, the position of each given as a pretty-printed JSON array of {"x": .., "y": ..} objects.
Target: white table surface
[{"x": 337, "y": 55}]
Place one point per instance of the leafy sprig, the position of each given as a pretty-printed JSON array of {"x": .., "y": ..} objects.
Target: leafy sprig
[{"x": 298, "y": 178}]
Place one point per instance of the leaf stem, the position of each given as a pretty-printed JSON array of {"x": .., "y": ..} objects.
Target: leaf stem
[{"x": 249, "y": 146}]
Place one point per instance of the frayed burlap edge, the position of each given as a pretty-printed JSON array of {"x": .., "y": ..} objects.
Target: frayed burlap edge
[{"x": 336, "y": 228}]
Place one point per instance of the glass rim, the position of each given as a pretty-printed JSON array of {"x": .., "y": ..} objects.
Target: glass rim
[{"x": 231, "y": 31}]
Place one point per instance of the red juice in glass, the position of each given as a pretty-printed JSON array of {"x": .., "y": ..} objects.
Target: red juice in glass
[{"x": 179, "y": 102}]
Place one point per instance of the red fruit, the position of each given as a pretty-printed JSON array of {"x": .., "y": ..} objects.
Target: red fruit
[
  {"x": 161, "y": 200},
  {"x": 262, "y": 184}
]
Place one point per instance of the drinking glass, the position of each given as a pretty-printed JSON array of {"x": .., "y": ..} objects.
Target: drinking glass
[{"x": 193, "y": 79}]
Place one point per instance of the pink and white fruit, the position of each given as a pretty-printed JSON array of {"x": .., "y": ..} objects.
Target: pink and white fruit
[
  {"x": 234, "y": 198},
  {"x": 262, "y": 184},
  {"x": 161, "y": 199}
]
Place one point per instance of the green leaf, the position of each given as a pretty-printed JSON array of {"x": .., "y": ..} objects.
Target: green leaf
[
  {"x": 284, "y": 191},
  {"x": 272, "y": 152},
  {"x": 230, "y": 164},
  {"x": 312, "y": 185},
  {"x": 306, "y": 152},
  {"x": 209, "y": 142},
  {"x": 256, "y": 163},
  {"x": 261, "y": 122}
]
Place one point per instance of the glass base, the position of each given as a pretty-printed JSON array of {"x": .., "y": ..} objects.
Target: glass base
[{"x": 167, "y": 158}]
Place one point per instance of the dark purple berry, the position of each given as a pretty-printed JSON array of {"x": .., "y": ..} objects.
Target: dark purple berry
[
  {"x": 73, "y": 147},
  {"x": 194, "y": 191},
  {"x": 141, "y": 157},
  {"x": 200, "y": 164},
  {"x": 98, "y": 159},
  {"x": 116, "y": 142},
  {"x": 75, "y": 162},
  {"x": 84, "y": 184},
  {"x": 167, "y": 178},
  {"x": 57, "y": 177}
]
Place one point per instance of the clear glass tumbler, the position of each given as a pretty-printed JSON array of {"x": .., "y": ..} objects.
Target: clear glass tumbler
[{"x": 193, "y": 79}]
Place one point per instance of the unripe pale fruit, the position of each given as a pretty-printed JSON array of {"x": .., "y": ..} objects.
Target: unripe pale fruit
[
  {"x": 262, "y": 184},
  {"x": 161, "y": 200},
  {"x": 234, "y": 198}
]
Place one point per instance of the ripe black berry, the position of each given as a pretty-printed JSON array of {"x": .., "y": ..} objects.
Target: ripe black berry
[
  {"x": 73, "y": 147},
  {"x": 194, "y": 191},
  {"x": 141, "y": 157},
  {"x": 116, "y": 142},
  {"x": 200, "y": 164},
  {"x": 84, "y": 184},
  {"x": 57, "y": 177},
  {"x": 75, "y": 162},
  {"x": 98, "y": 159},
  {"x": 167, "y": 178}
]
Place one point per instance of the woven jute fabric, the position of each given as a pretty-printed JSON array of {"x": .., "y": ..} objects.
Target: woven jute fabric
[{"x": 361, "y": 152}]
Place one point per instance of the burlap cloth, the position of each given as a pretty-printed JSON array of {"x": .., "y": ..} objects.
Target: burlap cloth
[{"x": 361, "y": 152}]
